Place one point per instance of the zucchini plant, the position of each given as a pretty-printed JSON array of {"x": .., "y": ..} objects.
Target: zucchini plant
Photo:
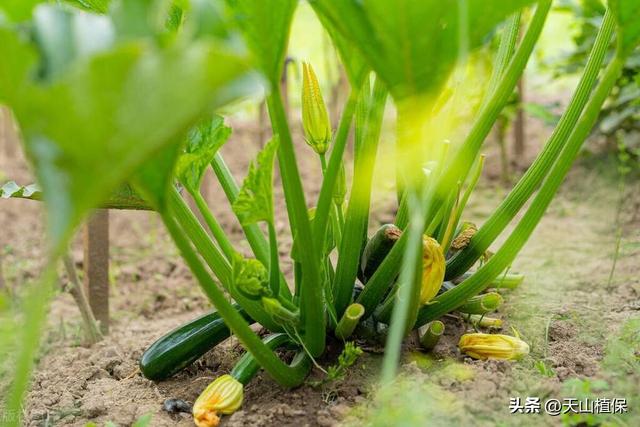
[{"x": 119, "y": 92}]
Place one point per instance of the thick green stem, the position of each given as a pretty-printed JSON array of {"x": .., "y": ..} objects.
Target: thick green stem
[
  {"x": 325, "y": 198},
  {"x": 481, "y": 304},
  {"x": 214, "y": 226},
  {"x": 367, "y": 137},
  {"x": 459, "y": 165},
  {"x": 216, "y": 261},
  {"x": 508, "y": 41},
  {"x": 523, "y": 190},
  {"x": 247, "y": 366},
  {"x": 430, "y": 334},
  {"x": 274, "y": 263},
  {"x": 349, "y": 321},
  {"x": 388, "y": 270},
  {"x": 254, "y": 235},
  {"x": 456, "y": 171},
  {"x": 312, "y": 310},
  {"x": 230, "y": 187},
  {"x": 452, "y": 299},
  {"x": 283, "y": 374}
]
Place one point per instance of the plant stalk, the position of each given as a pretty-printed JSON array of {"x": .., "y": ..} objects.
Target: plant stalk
[
  {"x": 349, "y": 321},
  {"x": 525, "y": 187},
  {"x": 452, "y": 299},
  {"x": 285, "y": 375},
  {"x": 214, "y": 226},
  {"x": 311, "y": 291}
]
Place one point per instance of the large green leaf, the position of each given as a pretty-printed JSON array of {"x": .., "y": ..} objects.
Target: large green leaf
[
  {"x": 354, "y": 65},
  {"x": 413, "y": 44},
  {"x": 17, "y": 10},
  {"x": 266, "y": 25},
  {"x": 106, "y": 115},
  {"x": 627, "y": 13},
  {"x": 203, "y": 142}
]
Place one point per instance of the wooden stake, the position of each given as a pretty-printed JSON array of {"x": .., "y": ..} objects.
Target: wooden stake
[
  {"x": 96, "y": 266},
  {"x": 6, "y": 133},
  {"x": 75, "y": 288}
]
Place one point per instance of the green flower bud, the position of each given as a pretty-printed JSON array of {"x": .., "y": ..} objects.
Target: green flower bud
[
  {"x": 250, "y": 277},
  {"x": 315, "y": 119},
  {"x": 340, "y": 190}
]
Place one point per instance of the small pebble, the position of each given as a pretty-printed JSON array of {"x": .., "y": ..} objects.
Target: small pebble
[{"x": 175, "y": 406}]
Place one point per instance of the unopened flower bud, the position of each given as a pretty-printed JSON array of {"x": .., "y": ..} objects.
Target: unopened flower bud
[
  {"x": 340, "y": 189},
  {"x": 315, "y": 119}
]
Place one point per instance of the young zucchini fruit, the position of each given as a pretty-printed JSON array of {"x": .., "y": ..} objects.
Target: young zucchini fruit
[
  {"x": 377, "y": 249},
  {"x": 184, "y": 345}
]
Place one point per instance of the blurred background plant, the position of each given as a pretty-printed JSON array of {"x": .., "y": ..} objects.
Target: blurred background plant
[{"x": 618, "y": 125}]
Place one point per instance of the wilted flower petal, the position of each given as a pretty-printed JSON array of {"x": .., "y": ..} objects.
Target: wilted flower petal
[
  {"x": 433, "y": 266},
  {"x": 493, "y": 346}
]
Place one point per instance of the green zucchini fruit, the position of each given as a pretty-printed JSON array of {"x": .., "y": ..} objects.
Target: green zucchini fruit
[
  {"x": 377, "y": 249},
  {"x": 184, "y": 345}
]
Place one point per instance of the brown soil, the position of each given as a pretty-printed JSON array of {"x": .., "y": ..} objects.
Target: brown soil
[{"x": 152, "y": 291}]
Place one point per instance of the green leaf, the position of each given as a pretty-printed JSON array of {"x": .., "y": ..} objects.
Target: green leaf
[
  {"x": 123, "y": 198},
  {"x": 98, "y": 6},
  {"x": 106, "y": 115},
  {"x": 265, "y": 25},
  {"x": 255, "y": 200},
  {"x": 64, "y": 36},
  {"x": 627, "y": 14},
  {"x": 413, "y": 44},
  {"x": 143, "y": 421},
  {"x": 203, "y": 142},
  {"x": 13, "y": 190},
  {"x": 354, "y": 65},
  {"x": 17, "y": 10}
]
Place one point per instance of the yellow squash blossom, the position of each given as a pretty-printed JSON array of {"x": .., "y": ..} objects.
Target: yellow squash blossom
[
  {"x": 493, "y": 346},
  {"x": 222, "y": 396},
  {"x": 433, "y": 266}
]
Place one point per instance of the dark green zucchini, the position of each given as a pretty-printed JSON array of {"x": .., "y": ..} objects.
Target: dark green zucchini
[
  {"x": 377, "y": 249},
  {"x": 184, "y": 345}
]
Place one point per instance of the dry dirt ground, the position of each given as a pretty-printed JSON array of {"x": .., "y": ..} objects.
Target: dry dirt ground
[{"x": 566, "y": 309}]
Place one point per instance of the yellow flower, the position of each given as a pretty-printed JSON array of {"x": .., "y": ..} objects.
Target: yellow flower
[
  {"x": 493, "y": 346},
  {"x": 433, "y": 266},
  {"x": 222, "y": 396},
  {"x": 315, "y": 119}
]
